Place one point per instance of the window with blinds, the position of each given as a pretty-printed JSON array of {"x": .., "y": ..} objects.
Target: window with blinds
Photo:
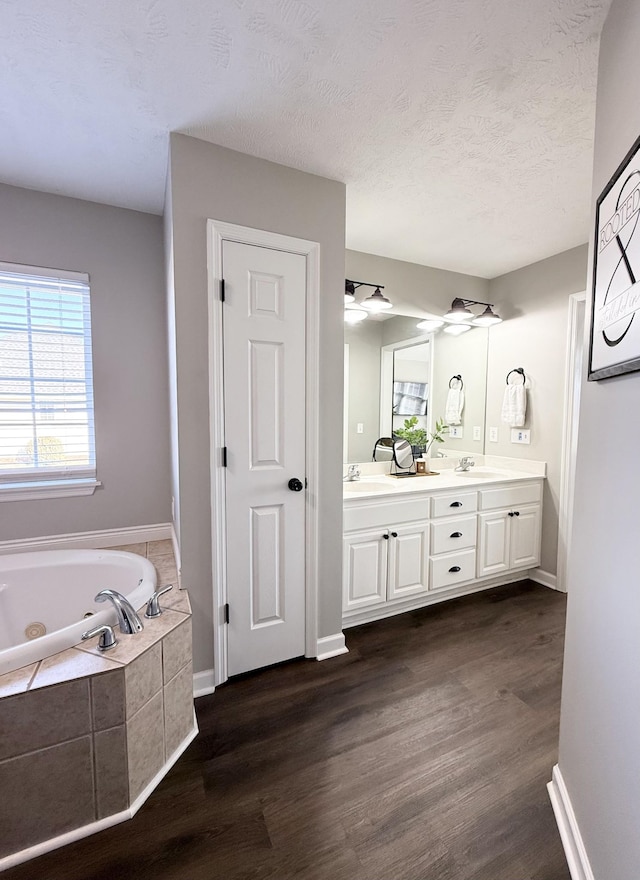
[{"x": 46, "y": 388}]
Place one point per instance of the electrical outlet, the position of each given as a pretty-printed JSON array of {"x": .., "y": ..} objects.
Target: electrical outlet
[
  {"x": 493, "y": 435},
  {"x": 520, "y": 436},
  {"x": 477, "y": 432},
  {"x": 360, "y": 428},
  {"x": 455, "y": 431}
]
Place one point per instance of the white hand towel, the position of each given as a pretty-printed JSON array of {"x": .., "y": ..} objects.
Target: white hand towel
[
  {"x": 454, "y": 406},
  {"x": 514, "y": 405}
]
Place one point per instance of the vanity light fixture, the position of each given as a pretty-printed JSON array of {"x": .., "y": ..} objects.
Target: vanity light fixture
[
  {"x": 456, "y": 329},
  {"x": 377, "y": 302},
  {"x": 460, "y": 313},
  {"x": 487, "y": 318}
]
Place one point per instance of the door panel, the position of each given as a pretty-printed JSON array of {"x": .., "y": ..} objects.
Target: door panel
[
  {"x": 525, "y": 537},
  {"x": 264, "y": 412},
  {"x": 493, "y": 549},
  {"x": 364, "y": 570},
  {"x": 408, "y": 560}
]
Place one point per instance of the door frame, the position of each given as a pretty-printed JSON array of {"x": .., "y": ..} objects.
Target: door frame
[
  {"x": 218, "y": 232},
  {"x": 570, "y": 428}
]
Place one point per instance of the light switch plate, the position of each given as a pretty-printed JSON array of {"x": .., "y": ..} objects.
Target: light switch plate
[
  {"x": 477, "y": 432},
  {"x": 493, "y": 435},
  {"x": 519, "y": 435},
  {"x": 360, "y": 428},
  {"x": 455, "y": 431}
]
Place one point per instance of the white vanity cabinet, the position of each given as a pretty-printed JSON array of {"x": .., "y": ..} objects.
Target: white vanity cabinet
[
  {"x": 403, "y": 551},
  {"x": 389, "y": 559},
  {"x": 509, "y": 526}
]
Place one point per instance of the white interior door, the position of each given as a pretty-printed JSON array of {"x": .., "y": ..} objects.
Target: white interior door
[{"x": 264, "y": 416}]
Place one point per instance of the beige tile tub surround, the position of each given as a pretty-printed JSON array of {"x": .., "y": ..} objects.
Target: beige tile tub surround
[
  {"x": 45, "y": 793},
  {"x": 99, "y": 727}
]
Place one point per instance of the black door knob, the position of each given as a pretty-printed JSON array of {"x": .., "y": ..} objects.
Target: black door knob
[
  {"x": 511, "y": 513},
  {"x": 295, "y": 484},
  {"x": 516, "y": 513}
]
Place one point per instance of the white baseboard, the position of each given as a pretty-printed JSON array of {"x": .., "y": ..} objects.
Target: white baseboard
[
  {"x": 204, "y": 683},
  {"x": 331, "y": 646},
  {"x": 98, "y": 540},
  {"x": 544, "y": 577},
  {"x": 39, "y": 849},
  {"x": 574, "y": 849}
]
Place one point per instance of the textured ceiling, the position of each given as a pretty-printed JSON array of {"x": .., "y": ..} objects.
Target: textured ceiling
[{"x": 462, "y": 128}]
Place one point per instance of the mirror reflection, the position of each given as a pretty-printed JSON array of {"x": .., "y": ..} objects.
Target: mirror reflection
[{"x": 395, "y": 373}]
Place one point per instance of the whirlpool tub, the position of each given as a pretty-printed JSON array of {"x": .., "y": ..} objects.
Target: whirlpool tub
[{"x": 47, "y": 598}]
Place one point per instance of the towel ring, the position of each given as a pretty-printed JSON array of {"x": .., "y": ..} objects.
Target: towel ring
[
  {"x": 459, "y": 378},
  {"x": 519, "y": 370}
]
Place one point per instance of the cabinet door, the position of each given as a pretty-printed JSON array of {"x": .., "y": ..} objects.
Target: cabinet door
[
  {"x": 525, "y": 537},
  {"x": 364, "y": 578},
  {"x": 408, "y": 560},
  {"x": 493, "y": 543}
]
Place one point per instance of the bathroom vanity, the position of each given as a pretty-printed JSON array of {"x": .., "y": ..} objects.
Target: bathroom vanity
[{"x": 413, "y": 541}]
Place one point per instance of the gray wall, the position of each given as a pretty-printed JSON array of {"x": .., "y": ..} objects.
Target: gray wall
[
  {"x": 600, "y": 720},
  {"x": 208, "y": 181},
  {"x": 534, "y": 303},
  {"x": 364, "y": 341},
  {"x": 123, "y": 253}
]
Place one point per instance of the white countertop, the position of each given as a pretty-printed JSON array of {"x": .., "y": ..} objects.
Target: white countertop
[{"x": 381, "y": 485}]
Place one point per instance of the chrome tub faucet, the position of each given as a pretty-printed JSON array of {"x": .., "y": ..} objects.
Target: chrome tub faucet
[{"x": 128, "y": 619}]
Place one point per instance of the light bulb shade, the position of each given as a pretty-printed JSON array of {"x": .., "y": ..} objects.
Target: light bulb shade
[
  {"x": 349, "y": 292},
  {"x": 458, "y": 312},
  {"x": 430, "y": 324},
  {"x": 487, "y": 318},
  {"x": 457, "y": 329},
  {"x": 354, "y": 314},
  {"x": 376, "y": 302}
]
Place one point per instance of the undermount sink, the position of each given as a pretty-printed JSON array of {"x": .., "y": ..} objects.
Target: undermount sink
[
  {"x": 481, "y": 474},
  {"x": 367, "y": 486}
]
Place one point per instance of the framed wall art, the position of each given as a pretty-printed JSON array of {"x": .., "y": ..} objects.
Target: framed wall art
[{"x": 615, "y": 310}]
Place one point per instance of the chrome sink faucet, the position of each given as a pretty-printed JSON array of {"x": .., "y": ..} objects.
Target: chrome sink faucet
[
  {"x": 465, "y": 463},
  {"x": 352, "y": 474},
  {"x": 128, "y": 619}
]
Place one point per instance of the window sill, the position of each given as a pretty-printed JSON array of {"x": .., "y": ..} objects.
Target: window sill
[{"x": 47, "y": 489}]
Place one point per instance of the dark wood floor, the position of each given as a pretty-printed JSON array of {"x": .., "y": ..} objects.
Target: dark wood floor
[{"x": 422, "y": 754}]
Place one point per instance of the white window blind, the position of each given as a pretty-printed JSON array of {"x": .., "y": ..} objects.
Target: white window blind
[{"x": 46, "y": 387}]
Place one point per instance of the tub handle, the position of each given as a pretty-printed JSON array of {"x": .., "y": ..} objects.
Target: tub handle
[
  {"x": 107, "y": 636},
  {"x": 153, "y": 605}
]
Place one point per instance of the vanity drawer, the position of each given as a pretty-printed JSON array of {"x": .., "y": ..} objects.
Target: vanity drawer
[
  {"x": 451, "y": 569},
  {"x": 384, "y": 513},
  {"x": 508, "y": 496},
  {"x": 453, "y": 534},
  {"x": 448, "y": 505}
]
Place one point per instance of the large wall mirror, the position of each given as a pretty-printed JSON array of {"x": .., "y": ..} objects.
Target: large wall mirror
[{"x": 394, "y": 371}]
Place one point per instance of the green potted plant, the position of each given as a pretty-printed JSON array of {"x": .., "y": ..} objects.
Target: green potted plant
[{"x": 418, "y": 438}]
